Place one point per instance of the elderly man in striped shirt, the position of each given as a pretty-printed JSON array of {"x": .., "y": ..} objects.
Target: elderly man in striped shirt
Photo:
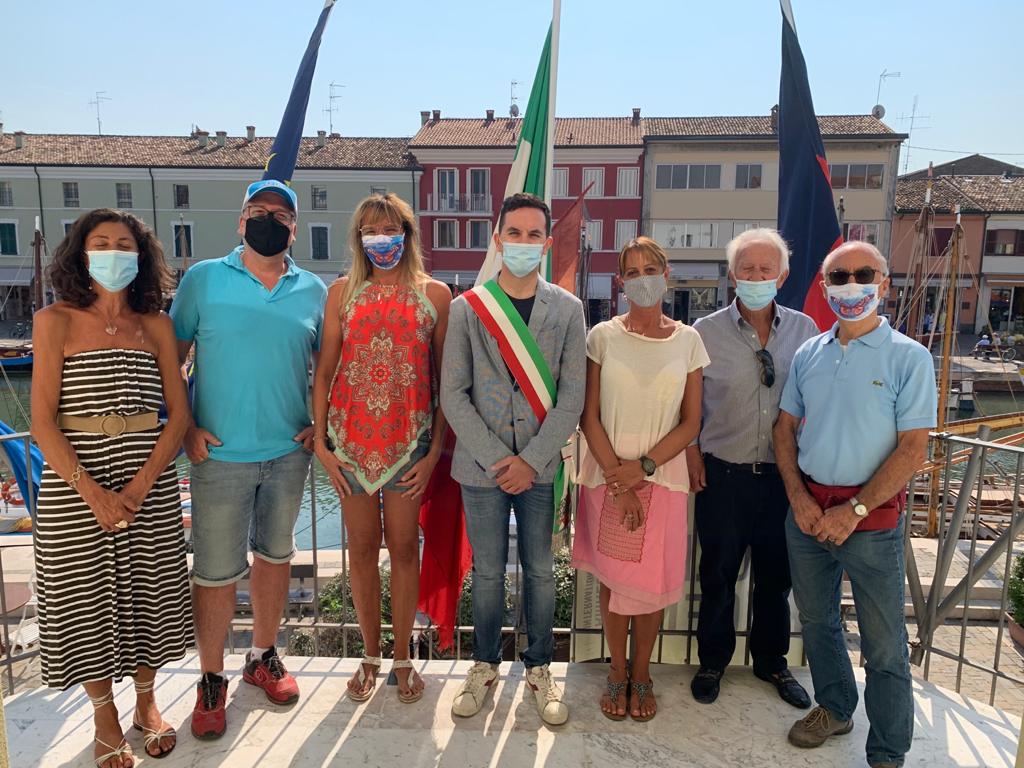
[{"x": 741, "y": 500}]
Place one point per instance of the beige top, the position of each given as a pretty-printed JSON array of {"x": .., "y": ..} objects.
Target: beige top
[{"x": 642, "y": 384}]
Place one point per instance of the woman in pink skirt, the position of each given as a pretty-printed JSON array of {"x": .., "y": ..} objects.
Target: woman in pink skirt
[{"x": 642, "y": 409}]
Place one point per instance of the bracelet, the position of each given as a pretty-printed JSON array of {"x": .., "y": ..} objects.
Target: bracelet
[{"x": 76, "y": 476}]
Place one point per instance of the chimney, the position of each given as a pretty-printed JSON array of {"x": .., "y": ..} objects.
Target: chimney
[
  {"x": 250, "y": 133},
  {"x": 204, "y": 138},
  {"x": 775, "y": 119},
  {"x": 490, "y": 115},
  {"x": 437, "y": 115},
  {"x": 335, "y": 135},
  {"x": 636, "y": 115},
  {"x": 1, "y": 131},
  {"x": 424, "y": 116},
  {"x": 222, "y": 138},
  {"x": 321, "y": 138},
  {"x": 19, "y": 139}
]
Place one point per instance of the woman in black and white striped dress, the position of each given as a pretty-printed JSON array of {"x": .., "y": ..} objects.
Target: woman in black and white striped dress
[{"x": 110, "y": 555}]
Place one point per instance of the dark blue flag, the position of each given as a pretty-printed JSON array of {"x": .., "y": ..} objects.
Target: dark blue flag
[
  {"x": 285, "y": 151},
  {"x": 807, "y": 215}
]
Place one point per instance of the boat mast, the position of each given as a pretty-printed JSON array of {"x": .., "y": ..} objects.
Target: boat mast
[
  {"x": 37, "y": 282},
  {"x": 952, "y": 305}
]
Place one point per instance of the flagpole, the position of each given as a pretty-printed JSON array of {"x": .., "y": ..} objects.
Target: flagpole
[{"x": 549, "y": 154}]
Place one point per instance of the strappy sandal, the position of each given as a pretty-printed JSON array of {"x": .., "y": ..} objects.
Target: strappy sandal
[
  {"x": 149, "y": 736},
  {"x": 370, "y": 661},
  {"x": 124, "y": 748},
  {"x": 642, "y": 691},
  {"x": 614, "y": 691},
  {"x": 412, "y": 696}
]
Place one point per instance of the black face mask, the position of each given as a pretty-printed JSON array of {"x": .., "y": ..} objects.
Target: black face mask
[{"x": 266, "y": 235}]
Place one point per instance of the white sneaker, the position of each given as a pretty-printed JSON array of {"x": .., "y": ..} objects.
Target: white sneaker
[
  {"x": 473, "y": 693},
  {"x": 553, "y": 710}
]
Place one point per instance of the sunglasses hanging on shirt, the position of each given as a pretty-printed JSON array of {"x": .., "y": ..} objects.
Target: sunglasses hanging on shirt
[{"x": 764, "y": 357}]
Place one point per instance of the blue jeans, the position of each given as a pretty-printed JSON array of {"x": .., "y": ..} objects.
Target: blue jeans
[
  {"x": 487, "y": 518},
  {"x": 874, "y": 562},
  {"x": 237, "y": 506}
]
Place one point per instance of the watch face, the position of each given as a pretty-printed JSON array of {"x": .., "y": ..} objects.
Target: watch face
[
  {"x": 861, "y": 510},
  {"x": 648, "y": 466}
]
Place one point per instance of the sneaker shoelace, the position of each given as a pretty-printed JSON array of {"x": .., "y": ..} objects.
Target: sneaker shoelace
[
  {"x": 543, "y": 680},
  {"x": 479, "y": 675},
  {"x": 211, "y": 692},
  {"x": 818, "y": 718},
  {"x": 276, "y": 667}
]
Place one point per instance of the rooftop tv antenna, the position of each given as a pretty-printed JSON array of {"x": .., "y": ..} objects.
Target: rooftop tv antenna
[
  {"x": 912, "y": 117},
  {"x": 100, "y": 98},
  {"x": 513, "y": 109},
  {"x": 886, "y": 74},
  {"x": 331, "y": 109}
]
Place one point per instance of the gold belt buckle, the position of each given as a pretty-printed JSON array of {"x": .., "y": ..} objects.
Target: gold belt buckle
[{"x": 119, "y": 427}]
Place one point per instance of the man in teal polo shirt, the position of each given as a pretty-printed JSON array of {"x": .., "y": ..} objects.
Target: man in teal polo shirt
[
  {"x": 255, "y": 319},
  {"x": 866, "y": 396}
]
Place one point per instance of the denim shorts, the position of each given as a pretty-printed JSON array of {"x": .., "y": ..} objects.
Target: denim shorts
[
  {"x": 241, "y": 506},
  {"x": 421, "y": 449}
]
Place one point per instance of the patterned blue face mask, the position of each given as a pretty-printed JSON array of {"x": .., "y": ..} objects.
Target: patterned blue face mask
[
  {"x": 114, "y": 270},
  {"x": 384, "y": 251},
  {"x": 852, "y": 301}
]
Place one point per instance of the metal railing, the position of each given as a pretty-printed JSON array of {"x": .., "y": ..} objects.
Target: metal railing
[{"x": 471, "y": 203}]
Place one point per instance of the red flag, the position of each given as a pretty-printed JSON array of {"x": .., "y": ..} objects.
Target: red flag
[
  {"x": 565, "y": 250},
  {"x": 446, "y": 553}
]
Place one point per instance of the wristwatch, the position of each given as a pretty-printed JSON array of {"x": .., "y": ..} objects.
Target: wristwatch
[
  {"x": 858, "y": 509},
  {"x": 648, "y": 465}
]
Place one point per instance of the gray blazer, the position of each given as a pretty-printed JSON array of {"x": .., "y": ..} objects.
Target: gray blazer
[{"x": 486, "y": 409}]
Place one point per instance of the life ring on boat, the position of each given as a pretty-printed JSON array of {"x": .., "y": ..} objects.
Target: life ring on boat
[{"x": 9, "y": 493}]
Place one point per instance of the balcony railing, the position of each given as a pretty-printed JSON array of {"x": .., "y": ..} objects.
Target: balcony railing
[{"x": 442, "y": 203}]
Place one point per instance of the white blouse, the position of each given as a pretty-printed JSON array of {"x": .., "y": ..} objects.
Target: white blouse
[{"x": 642, "y": 384}]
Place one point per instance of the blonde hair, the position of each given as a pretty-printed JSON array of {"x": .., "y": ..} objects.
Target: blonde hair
[
  {"x": 389, "y": 207},
  {"x": 646, "y": 246}
]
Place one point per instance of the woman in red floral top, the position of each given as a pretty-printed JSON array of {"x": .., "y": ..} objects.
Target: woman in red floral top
[{"x": 379, "y": 426}]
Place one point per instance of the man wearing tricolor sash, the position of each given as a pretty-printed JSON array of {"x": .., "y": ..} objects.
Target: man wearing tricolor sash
[{"x": 512, "y": 387}]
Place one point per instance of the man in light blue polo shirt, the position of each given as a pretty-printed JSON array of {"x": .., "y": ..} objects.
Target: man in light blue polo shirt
[
  {"x": 866, "y": 396},
  {"x": 255, "y": 319}
]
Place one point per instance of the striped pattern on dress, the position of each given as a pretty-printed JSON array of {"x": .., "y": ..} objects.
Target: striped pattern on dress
[{"x": 110, "y": 602}]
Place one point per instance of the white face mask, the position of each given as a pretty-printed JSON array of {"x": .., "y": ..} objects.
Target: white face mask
[{"x": 645, "y": 291}]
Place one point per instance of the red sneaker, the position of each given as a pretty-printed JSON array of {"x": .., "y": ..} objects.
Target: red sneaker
[
  {"x": 269, "y": 674},
  {"x": 208, "y": 720}
]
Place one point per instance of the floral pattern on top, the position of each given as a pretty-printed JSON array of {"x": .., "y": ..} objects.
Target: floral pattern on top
[{"x": 383, "y": 396}]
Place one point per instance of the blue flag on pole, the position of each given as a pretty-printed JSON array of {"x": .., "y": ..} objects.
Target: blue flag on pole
[
  {"x": 285, "y": 150},
  {"x": 807, "y": 214}
]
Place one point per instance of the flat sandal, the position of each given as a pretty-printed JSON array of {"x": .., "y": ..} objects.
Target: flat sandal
[{"x": 370, "y": 661}]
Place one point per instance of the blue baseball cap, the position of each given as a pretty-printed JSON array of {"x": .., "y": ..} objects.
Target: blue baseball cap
[{"x": 272, "y": 185}]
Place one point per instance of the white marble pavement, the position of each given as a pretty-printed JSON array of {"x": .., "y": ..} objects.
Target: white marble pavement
[{"x": 745, "y": 727}]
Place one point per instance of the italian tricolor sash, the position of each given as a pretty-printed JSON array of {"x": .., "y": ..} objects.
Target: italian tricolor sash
[{"x": 523, "y": 357}]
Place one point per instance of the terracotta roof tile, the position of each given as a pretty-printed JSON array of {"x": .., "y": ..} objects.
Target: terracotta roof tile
[
  {"x": 760, "y": 126},
  {"x": 975, "y": 194},
  {"x": 185, "y": 152},
  {"x": 504, "y": 132}
]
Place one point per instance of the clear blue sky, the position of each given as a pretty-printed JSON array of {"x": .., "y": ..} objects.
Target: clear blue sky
[{"x": 225, "y": 64}]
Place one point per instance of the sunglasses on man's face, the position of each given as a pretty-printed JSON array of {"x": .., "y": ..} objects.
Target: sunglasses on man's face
[
  {"x": 764, "y": 357},
  {"x": 863, "y": 275}
]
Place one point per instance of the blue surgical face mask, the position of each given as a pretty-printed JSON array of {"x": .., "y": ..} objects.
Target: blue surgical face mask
[
  {"x": 756, "y": 294},
  {"x": 852, "y": 301},
  {"x": 383, "y": 250},
  {"x": 521, "y": 258},
  {"x": 114, "y": 270}
]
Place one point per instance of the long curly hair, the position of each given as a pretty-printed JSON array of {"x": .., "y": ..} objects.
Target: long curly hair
[{"x": 69, "y": 275}]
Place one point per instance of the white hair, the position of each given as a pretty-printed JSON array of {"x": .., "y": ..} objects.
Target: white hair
[
  {"x": 857, "y": 245},
  {"x": 760, "y": 235}
]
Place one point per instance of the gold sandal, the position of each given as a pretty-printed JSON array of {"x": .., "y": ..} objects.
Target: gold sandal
[
  {"x": 149, "y": 736},
  {"x": 412, "y": 696},
  {"x": 370, "y": 661},
  {"x": 124, "y": 748}
]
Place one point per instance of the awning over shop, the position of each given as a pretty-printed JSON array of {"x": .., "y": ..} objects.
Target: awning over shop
[
  {"x": 15, "y": 275},
  {"x": 693, "y": 270}
]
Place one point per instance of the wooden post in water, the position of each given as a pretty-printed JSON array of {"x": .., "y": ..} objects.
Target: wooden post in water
[{"x": 952, "y": 310}]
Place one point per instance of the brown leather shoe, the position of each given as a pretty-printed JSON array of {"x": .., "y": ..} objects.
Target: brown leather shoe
[{"x": 814, "y": 730}]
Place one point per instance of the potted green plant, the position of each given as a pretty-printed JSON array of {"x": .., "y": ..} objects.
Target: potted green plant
[{"x": 1015, "y": 595}]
